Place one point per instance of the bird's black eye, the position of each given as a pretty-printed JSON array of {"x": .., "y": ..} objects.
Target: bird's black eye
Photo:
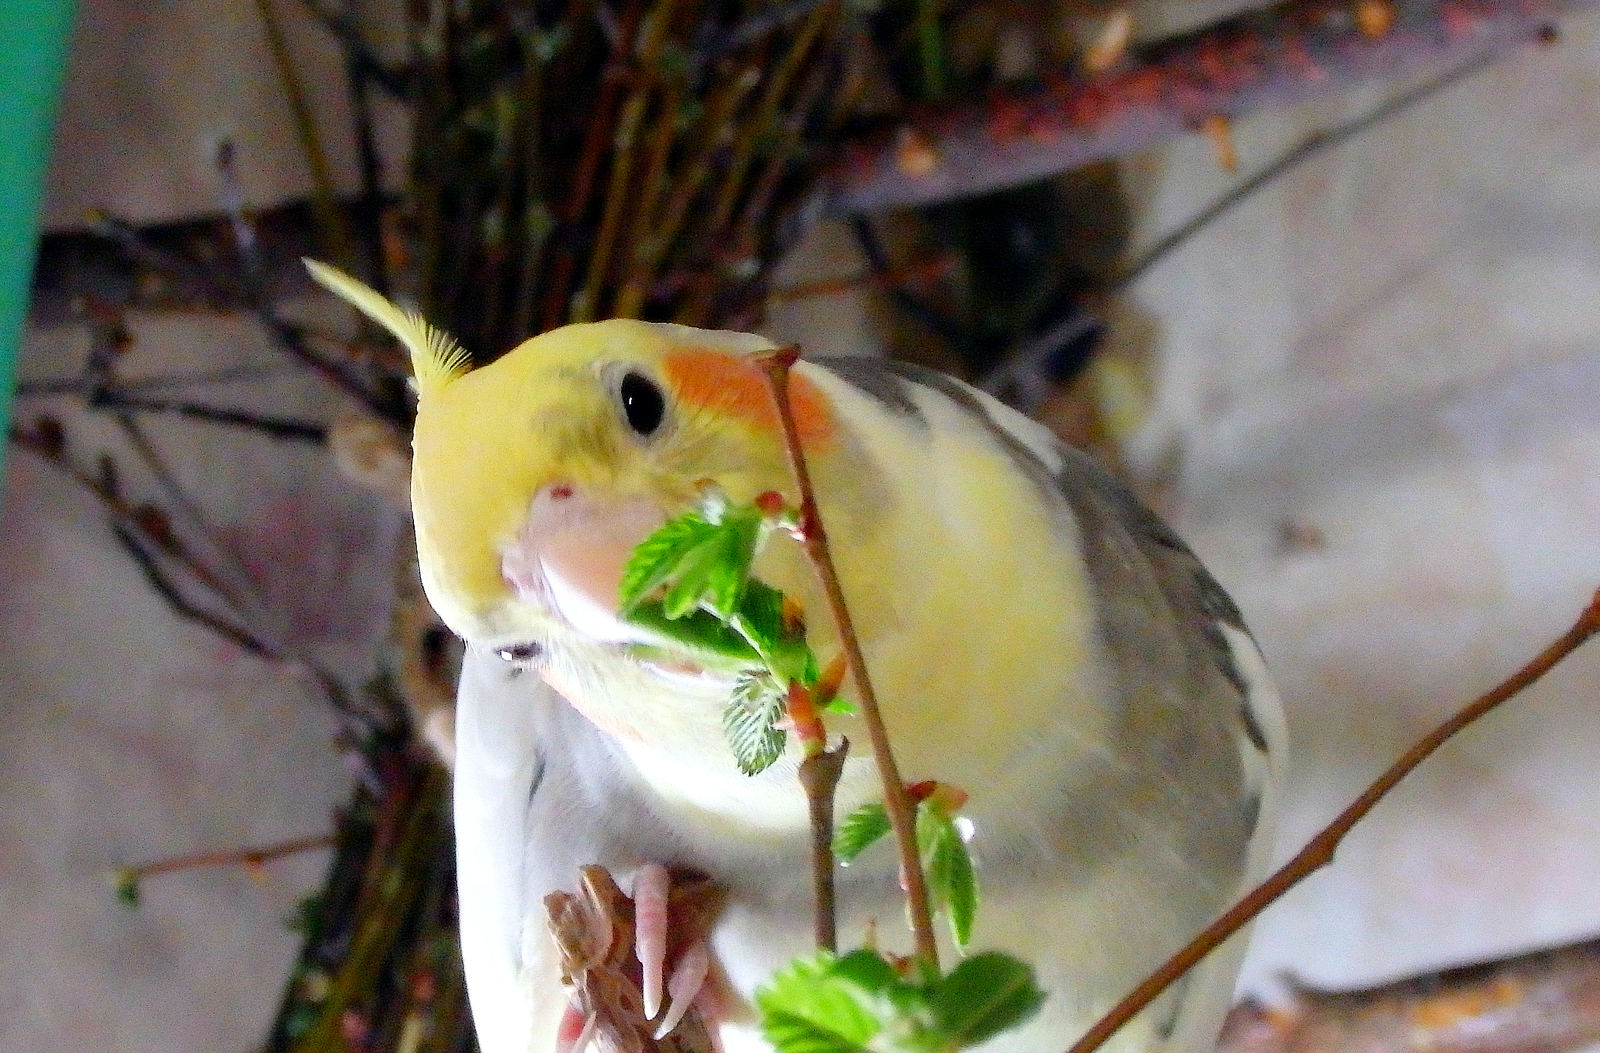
[
  {"x": 521, "y": 654},
  {"x": 642, "y": 403}
]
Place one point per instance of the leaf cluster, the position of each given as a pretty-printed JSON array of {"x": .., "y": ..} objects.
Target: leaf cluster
[
  {"x": 690, "y": 583},
  {"x": 860, "y": 1002}
]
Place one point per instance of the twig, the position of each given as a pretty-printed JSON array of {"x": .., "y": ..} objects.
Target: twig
[
  {"x": 294, "y": 92},
  {"x": 774, "y": 366},
  {"x": 586, "y": 172},
  {"x": 625, "y": 135},
  {"x": 179, "y": 266},
  {"x": 163, "y": 586},
  {"x": 287, "y": 336},
  {"x": 358, "y": 74},
  {"x": 271, "y": 427},
  {"x": 1319, "y": 851},
  {"x": 1023, "y": 378},
  {"x": 80, "y": 386},
  {"x": 249, "y": 857},
  {"x": 819, "y": 777},
  {"x": 1281, "y": 55},
  {"x": 1312, "y": 146},
  {"x": 920, "y": 311},
  {"x": 757, "y": 24},
  {"x": 142, "y": 532},
  {"x": 397, "y": 83}
]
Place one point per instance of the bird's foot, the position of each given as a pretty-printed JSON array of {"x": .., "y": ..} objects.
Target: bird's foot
[
  {"x": 622, "y": 955},
  {"x": 652, "y": 905}
]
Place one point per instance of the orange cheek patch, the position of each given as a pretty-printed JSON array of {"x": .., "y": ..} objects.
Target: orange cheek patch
[{"x": 724, "y": 383}]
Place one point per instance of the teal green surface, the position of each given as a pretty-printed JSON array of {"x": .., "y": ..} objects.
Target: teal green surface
[{"x": 33, "y": 56}]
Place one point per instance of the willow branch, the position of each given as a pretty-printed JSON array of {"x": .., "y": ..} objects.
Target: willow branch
[
  {"x": 294, "y": 93},
  {"x": 1276, "y": 56},
  {"x": 774, "y": 366},
  {"x": 1318, "y": 853}
]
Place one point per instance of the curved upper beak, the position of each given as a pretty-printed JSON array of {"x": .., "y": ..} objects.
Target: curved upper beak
[{"x": 569, "y": 555}]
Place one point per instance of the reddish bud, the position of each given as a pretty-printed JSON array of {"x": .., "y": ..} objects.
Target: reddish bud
[
  {"x": 801, "y": 713},
  {"x": 827, "y": 688},
  {"x": 770, "y": 503}
]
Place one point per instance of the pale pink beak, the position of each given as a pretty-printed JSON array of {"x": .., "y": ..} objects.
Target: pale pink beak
[{"x": 569, "y": 556}]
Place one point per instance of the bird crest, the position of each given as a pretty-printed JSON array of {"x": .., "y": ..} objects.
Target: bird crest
[{"x": 436, "y": 357}]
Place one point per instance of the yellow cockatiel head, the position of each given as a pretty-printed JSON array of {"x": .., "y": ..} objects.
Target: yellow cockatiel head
[{"x": 534, "y": 477}]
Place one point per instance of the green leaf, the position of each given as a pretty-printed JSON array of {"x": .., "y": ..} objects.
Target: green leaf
[
  {"x": 701, "y": 558},
  {"x": 952, "y": 883},
  {"x": 983, "y": 996},
  {"x": 755, "y": 705},
  {"x": 868, "y": 971},
  {"x": 807, "y": 1008},
  {"x": 860, "y": 829},
  {"x": 699, "y": 633},
  {"x": 841, "y": 705},
  {"x": 759, "y": 619},
  {"x": 793, "y": 1033},
  {"x": 657, "y": 558}
]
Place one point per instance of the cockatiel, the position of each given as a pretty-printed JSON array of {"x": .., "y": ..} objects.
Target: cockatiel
[{"x": 1036, "y": 637}]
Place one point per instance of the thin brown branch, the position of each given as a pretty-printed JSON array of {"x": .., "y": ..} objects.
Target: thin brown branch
[
  {"x": 1284, "y": 54},
  {"x": 140, "y": 551},
  {"x": 246, "y": 857},
  {"x": 585, "y": 177},
  {"x": 1312, "y": 146},
  {"x": 1318, "y": 853},
  {"x": 186, "y": 266},
  {"x": 1545, "y": 1001},
  {"x": 322, "y": 198},
  {"x": 819, "y": 777},
  {"x": 774, "y": 366}
]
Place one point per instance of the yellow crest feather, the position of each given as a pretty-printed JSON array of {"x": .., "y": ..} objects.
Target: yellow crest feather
[{"x": 436, "y": 357}]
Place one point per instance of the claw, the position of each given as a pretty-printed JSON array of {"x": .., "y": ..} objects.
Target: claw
[
  {"x": 576, "y": 1030},
  {"x": 688, "y": 976},
  {"x": 712, "y": 1009},
  {"x": 650, "y": 931}
]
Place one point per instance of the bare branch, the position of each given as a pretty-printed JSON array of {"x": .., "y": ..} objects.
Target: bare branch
[
  {"x": 1284, "y": 54},
  {"x": 819, "y": 777},
  {"x": 1293, "y": 158},
  {"x": 249, "y": 857},
  {"x": 186, "y": 266},
  {"x": 1545, "y": 1001}
]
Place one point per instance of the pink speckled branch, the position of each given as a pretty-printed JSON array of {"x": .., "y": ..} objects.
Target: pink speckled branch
[{"x": 1275, "y": 56}]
